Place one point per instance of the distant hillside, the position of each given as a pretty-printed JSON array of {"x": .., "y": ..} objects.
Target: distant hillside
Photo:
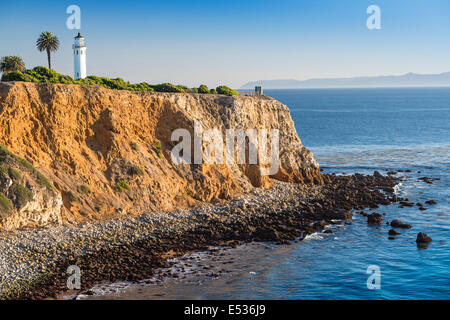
[{"x": 409, "y": 79}]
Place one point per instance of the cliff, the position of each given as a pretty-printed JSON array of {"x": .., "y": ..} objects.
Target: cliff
[{"x": 107, "y": 153}]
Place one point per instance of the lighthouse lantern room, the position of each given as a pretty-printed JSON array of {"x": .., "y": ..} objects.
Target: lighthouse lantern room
[{"x": 79, "y": 54}]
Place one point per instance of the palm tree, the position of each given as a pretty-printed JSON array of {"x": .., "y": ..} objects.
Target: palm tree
[
  {"x": 47, "y": 41},
  {"x": 12, "y": 63}
]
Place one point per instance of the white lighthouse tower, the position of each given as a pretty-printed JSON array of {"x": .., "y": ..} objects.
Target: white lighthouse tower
[{"x": 79, "y": 54}]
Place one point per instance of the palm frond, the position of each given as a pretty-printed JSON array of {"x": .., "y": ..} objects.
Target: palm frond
[
  {"x": 12, "y": 63},
  {"x": 47, "y": 41}
]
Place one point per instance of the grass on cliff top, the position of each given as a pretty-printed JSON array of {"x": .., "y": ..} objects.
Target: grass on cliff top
[
  {"x": 45, "y": 75},
  {"x": 5, "y": 153}
]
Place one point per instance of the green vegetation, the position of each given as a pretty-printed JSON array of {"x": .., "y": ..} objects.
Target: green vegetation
[
  {"x": 134, "y": 146},
  {"x": 85, "y": 189},
  {"x": 5, "y": 154},
  {"x": 44, "y": 181},
  {"x": 203, "y": 89},
  {"x": 158, "y": 147},
  {"x": 22, "y": 194},
  {"x": 47, "y": 42},
  {"x": 12, "y": 63},
  {"x": 3, "y": 170},
  {"x": 46, "y": 75},
  {"x": 135, "y": 171},
  {"x": 123, "y": 185},
  {"x": 226, "y": 90},
  {"x": 5, "y": 204},
  {"x": 14, "y": 174},
  {"x": 72, "y": 197},
  {"x": 189, "y": 193}
]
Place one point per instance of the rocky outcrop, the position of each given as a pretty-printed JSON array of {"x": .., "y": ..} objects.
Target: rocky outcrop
[
  {"x": 27, "y": 198},
  {"x": 107, "y": 152}
]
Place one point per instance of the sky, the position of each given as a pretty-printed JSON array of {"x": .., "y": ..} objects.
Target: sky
[{"x": 233, "y": 42}]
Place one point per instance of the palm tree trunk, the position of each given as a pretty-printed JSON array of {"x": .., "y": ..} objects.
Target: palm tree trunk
[{"x": 49, "y": 60}]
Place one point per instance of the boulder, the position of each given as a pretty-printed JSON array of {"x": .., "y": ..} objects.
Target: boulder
[
  {"x": 374, "y": 218},
  {"x": 400, "y": 224},
  {"x": 392, "y": 232},
  {"x": 423, "y": 238}
]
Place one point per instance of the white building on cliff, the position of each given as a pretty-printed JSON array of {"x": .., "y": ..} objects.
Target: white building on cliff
[{"x": 79, "y": 54}]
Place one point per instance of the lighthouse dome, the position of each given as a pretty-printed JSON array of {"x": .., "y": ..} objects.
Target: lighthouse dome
[{"x": 79, "y": 41}]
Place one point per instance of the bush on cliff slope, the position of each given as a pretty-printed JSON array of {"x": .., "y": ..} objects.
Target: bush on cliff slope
[
  {"x": 24, "y": 193},
  {"x": 45, "y": 75},
  {"x": 11, "y": 166}
]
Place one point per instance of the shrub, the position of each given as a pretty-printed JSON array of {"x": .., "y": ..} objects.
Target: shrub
[
  {"x": 44, "y": 181},
  {"x": 22, "y": 194},
  {"x": 226, "y": 90},
  {"x": 135, "y": 171},
  {"x": 168, "y": 87},
  {"x": 144, "y": 86},
  {"x": 134, "y": 146},
  {"x": 85, "y": 189},
  {"x": 5, "y": 153},
  {"x": 123, "y": 185},
  {"x": 158, "y": 147},
  {"x": 3, "y": 170},
  {"x": 73, "y": 198},
  {"x": 5, "y": 203},
  {"x": 16, "y": 76},
  {"x": 45, "y": 72},
  {"x": 203, "y": 89},
  {"x": 45, "y": 75},
  {"x": 14, "y": 174}
]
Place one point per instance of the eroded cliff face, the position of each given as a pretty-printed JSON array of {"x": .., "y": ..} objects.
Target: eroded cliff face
[{"x": 107, "y": 152}]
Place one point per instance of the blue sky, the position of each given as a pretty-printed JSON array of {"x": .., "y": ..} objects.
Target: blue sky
[{"x": 232, "y": 42}]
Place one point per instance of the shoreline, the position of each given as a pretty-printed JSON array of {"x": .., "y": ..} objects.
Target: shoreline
[{"x": 33, "y": 263}]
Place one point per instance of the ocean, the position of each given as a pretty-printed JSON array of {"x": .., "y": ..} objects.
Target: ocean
[{"x": 348, "y": 130}]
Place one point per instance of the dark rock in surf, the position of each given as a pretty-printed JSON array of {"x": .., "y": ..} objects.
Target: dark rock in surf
[
  {"x": 392, "y": 232},
  {"x": 374, "y": 218},
  {"x": 423, "y": 238},
  {"x": 400, "y": 224},
  {"x": 407, "y": 204}
]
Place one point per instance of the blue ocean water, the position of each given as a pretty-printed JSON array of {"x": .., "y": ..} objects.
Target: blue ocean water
[
  {"x": 362, "y": 130},
  {"x": 354, "y": 130}
]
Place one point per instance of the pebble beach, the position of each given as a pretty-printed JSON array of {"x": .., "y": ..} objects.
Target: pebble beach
[{"x": 33, "y": 263}]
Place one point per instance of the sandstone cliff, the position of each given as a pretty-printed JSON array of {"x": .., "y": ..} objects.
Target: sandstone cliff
[{"x": 107, "y": 152}]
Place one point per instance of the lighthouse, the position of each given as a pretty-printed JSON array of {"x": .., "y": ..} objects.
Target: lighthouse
[{"x": 79, "y": 54}]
